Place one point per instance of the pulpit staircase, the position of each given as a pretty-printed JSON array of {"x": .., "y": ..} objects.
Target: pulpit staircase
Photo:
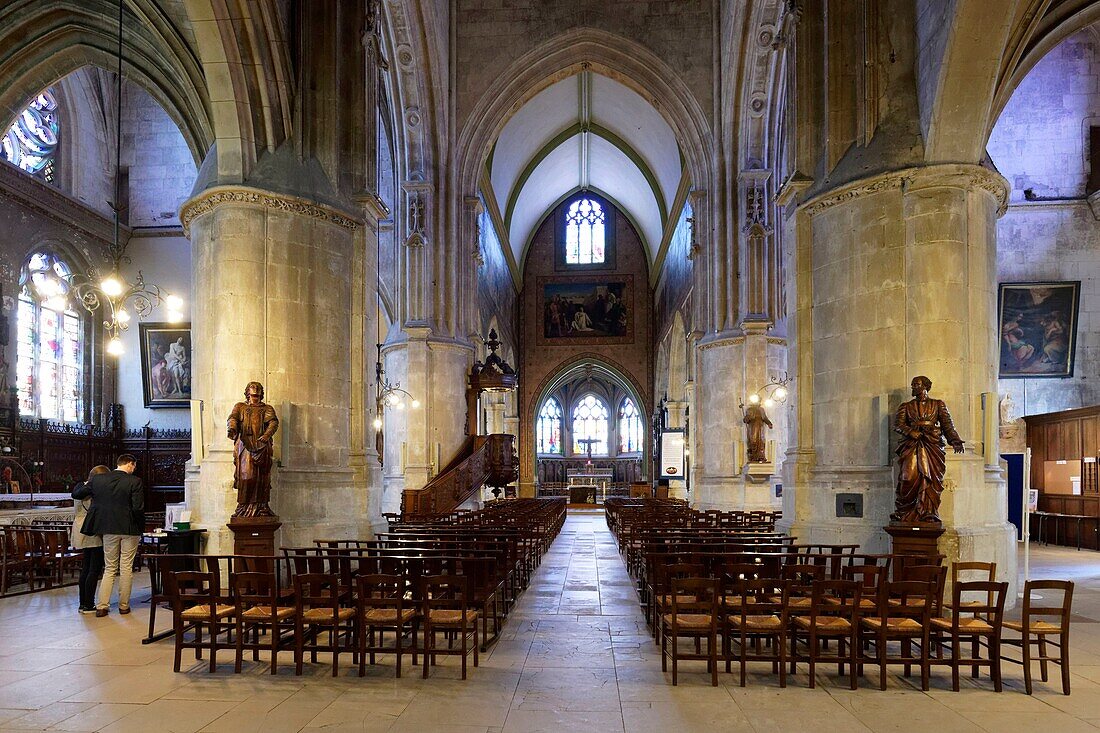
[{"x": 483, "y": 460}]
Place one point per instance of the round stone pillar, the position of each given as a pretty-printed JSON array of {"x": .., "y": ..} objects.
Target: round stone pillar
[
  {"x": 272, "y": 302},
  {"x": 420, "y": 441},
  {"x": 895, "y": 276}
]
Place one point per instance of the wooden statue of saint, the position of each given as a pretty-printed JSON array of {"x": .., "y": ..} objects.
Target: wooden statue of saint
[
  {"x": 252, "y": 425},
  {"x": 923, "y": 423},
  {"x": 755, "y": 419}
]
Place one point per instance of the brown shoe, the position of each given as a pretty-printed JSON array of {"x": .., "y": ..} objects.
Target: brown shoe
[
  {"x": 124, "y": 611},
  {"x": 100, "y": 612}
]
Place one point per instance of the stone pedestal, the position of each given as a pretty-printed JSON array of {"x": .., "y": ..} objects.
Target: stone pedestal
[
  {"x": 913, "y": 540},
  {"x": 254, "y": 535}
]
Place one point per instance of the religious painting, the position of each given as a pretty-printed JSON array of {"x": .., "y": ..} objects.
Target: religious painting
[
  {"x": 166, "y": 364},
  {"x": 588, "y": 308},
  {"x": 1038, "y": 328}
]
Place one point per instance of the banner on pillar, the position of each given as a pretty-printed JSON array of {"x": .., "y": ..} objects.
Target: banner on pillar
[{"x": 672, "y": 455}]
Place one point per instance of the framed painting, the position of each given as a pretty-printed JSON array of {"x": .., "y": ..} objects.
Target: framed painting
[
  {"x": 589, "y": 308},
  {"x": 166, "y": 364},
  {"x": 1037, "y": 328}
]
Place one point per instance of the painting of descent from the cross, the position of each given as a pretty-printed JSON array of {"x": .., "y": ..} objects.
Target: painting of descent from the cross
[
  {"x": 585, "y": 310},
  {"x": 1038, "y": 328}
]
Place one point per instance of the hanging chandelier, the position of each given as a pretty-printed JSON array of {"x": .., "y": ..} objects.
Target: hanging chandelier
[{"x": 115, "y": 298}]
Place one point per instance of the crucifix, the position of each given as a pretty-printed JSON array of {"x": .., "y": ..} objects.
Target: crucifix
[{"x": 588, "y": 450}]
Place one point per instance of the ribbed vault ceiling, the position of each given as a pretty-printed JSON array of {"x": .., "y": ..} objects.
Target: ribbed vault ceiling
[{"x": 585, "y": 132}]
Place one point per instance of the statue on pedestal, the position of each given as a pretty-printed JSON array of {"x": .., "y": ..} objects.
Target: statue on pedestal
[
  {"x": 251, "y": 427},
  {"x": 923, "y": 423},
  {"x": 755, "y": 419}
]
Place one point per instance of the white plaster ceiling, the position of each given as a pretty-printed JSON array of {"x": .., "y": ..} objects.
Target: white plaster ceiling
[{"x": 585, "y": 131}]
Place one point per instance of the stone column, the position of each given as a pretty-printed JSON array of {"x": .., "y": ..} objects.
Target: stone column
[
  {"x": 895, "y": 277},
  {"x": 272, "y": 302},
  {"x": 364, "y": 454},
  {"x": 419, "y": 441},
  {"x": 730, "y": 367}
]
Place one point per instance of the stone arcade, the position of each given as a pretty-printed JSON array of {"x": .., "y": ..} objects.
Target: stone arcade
[{"x": 745, "y": 225}]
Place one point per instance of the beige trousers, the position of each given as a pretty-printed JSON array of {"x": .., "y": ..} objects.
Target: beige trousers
[{"x": 119, "y": 551}]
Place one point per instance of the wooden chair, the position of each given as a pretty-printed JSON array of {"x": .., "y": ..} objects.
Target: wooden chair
[
  {"x": 980, "y": 624},
  {"x": 936, "y": 574},
  {"x": 693, "y": 613},
  {"x": 196, "y": 602},
  {"x": 834, "y": 614},
  {"x": 448, "y": 608},
  {"x": 975, "y": 570},
  {"x": 318, "y": 609},
  {"x": 760, "y": 615},
  {"x": 382, "y": 604},
  {"x": 258, "y": 602},
  {"x": 661, "y": 596},
  {"x": 801, "y": 578},
  {"x": 1034, "y": 630},
  {"x": 903, "y": 613}
]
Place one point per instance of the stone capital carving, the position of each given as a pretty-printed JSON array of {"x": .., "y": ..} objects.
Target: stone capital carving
[
  {"x": 212, "y": 198},
  {"x": 956, "y": 175}
]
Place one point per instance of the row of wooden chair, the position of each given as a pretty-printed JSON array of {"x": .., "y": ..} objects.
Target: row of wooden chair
[
  {"x": 36, "y": 557},
  {"x": 317, "y": 614},
  {"x": 900, "y": 627},
  {"x": 414, "y": 583}
]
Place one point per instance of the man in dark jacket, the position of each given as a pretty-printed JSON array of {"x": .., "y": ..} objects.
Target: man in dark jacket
[{"x": 117, "y": 514}]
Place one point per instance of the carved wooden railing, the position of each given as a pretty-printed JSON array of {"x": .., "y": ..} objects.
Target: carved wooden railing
[{"x": 483, "y": 460}]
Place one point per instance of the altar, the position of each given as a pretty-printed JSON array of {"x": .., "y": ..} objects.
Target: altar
[
  {"x": 589, "y": 486},
  {"x": 582, "y": 494}
]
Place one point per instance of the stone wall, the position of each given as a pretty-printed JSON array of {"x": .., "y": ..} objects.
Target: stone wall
[
  {"x": 1041, "y": 139},
  {"x": 542, "y": 357},
  {"x": 1041, "y": 143},
  {"x": 1038, "y": 242},
  {"x": 166, "y": 261},
  {"x": 161, "y": 168},
  {"x": 490, "y": 34}
]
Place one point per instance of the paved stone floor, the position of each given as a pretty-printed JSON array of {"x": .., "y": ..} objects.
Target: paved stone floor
[{"x": 574, "y": 656}]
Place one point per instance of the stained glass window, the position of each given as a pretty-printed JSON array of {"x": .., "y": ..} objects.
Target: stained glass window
[
  {"x": 584, "y": 233},
  {"x": 630, "y": 428},
  {"x": 50, "y": 351},
  {"x": 31, "y": 140},
  {"x": 548, "y": 428},
  {"x": 590, "y": 420}
]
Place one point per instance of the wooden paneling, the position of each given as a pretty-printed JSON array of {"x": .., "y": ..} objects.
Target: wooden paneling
[
  {"x": 1052, "y": 432},
  {"x": 1090, "y": 436}
]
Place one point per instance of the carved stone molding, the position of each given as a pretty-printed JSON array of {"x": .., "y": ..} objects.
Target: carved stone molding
[
  {"x": 1094, "y": 204},
  {"x": 50, "y": 202},
  {"x": 957, "y": 175},
  {"x": 212, "y": 198}
]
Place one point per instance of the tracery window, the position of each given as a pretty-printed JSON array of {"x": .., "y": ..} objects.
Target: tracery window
[
  {"x": 548, "y": 428},
  {"x": 31, "y": 141},
  {"x": 630, "y": 428},
  {"x": 590, "y": 423},
  {"x": 50, "y": 348},
  {"x": 584, "y": 232}
]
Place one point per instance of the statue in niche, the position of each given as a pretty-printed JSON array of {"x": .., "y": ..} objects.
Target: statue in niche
[
  {"x": 923, "y": 423},
  {"x": 252, "y": 425},
  {"x": 755, "y": 419},
  {"x": 1005, "y": 406}
]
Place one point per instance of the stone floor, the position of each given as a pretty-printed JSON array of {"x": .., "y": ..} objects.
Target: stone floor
[{"x": 574, "y": 656}]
